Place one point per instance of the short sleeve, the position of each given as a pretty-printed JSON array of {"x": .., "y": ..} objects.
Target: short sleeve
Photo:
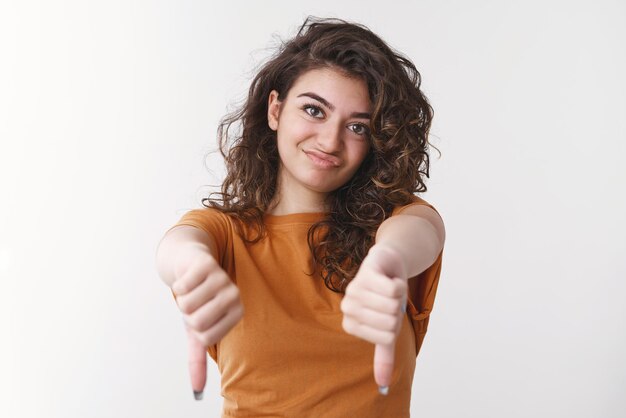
[
  {"x": 216, "y": 224},
  {"x": 422, "y": 288}
]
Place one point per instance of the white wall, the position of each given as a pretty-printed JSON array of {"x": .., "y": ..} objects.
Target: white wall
[{"x": 108, "y": 108}]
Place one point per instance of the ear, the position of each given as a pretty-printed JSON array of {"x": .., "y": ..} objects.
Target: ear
[{"x": 273, "y": 110}]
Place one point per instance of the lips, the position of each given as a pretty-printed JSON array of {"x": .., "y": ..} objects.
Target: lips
[{"x": 323, "y": 159}]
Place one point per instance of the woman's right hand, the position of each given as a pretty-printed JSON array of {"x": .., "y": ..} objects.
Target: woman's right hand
[{"x": 210, "y": 304}]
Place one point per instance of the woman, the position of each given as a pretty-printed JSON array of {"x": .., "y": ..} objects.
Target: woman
[{"x": 296, "y": 278}]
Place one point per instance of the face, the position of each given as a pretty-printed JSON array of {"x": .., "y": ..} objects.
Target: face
[{"x": 322, "y": 129}]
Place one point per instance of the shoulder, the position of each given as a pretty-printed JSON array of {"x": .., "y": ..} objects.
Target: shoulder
[
  {"x": 209, "y": 219},
  {"x": 205, "y": 213}
]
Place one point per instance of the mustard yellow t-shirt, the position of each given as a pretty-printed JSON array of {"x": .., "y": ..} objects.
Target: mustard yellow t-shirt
[{"x": 289, "y": 355}]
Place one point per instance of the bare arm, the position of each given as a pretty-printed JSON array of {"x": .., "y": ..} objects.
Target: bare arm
[
  {"x": 181, "y": 242},
  {"x": 417, "y": 235}
]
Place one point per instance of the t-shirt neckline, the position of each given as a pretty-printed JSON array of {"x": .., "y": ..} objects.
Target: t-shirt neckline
[{"x": 291, "y": 218}]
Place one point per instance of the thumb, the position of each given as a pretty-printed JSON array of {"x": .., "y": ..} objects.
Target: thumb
[
  {"x": 383, "y": 366},
  {"x": 197, "y": 364}
]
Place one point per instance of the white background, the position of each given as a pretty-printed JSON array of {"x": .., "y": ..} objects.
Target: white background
[{"x": 107, "y": 110}]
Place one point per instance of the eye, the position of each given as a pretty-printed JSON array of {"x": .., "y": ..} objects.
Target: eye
[
  {"x": 313, "y": 110},
  {"x": 361, "y": 129}
]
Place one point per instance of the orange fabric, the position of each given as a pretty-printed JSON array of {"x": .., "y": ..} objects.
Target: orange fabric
[{"x": 289, "y": 355}]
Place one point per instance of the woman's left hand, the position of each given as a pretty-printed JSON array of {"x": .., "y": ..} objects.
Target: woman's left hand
[{"x": 374, "y": 306}]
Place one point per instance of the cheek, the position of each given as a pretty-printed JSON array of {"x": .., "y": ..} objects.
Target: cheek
[
  {"x": 296, "y": 127},
  {"x": 292, "y": 136},
  {"x": 300, "y": 131},
  {"x": 360, "y": 151}
]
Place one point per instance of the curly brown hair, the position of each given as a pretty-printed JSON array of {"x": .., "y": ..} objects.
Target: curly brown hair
[{"x": 392, "y": 172}]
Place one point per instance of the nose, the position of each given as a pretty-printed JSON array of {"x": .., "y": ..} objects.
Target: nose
[{"x": 330, "y": 138}]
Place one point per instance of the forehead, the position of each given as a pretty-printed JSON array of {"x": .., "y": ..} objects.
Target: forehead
[{"x": 333, "y": 85}]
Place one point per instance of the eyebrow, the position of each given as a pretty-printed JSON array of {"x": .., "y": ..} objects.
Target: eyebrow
[{"x": 360, "y": 115}]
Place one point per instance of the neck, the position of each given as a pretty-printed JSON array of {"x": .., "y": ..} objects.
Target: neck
[{"x": 290, "y": 200}]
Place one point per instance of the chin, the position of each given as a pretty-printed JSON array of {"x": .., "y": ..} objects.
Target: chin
[{"x": 323, "y": 187}]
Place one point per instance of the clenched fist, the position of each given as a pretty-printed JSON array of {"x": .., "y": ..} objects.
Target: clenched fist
[
  {"x": 210, "y": 304},
  {"x": 374, "y": 306}
]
